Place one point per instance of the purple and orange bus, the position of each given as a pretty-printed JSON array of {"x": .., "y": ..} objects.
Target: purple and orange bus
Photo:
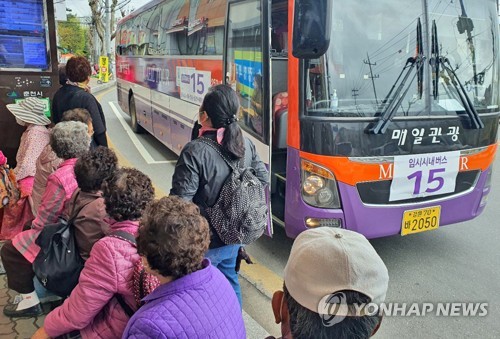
[{"x": 378, "y": 117}]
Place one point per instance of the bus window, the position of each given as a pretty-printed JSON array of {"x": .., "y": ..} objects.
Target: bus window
[
  {"x": 244, "y": 64},
  {"x": 172, "y": 27},
  {"x": 152, "y": 32}
]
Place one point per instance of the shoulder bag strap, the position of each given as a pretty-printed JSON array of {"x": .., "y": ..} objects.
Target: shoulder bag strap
[
  {"x": 216, "y": 147},
  {"x": 125, "y": 236},
  {"x": 74, "y": 215},
  {"x": 128, "y": 310}
]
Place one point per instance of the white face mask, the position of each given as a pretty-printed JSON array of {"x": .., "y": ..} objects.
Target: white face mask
[{"x": 20, "y": 122}]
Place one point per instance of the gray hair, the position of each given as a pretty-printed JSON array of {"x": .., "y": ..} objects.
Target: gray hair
[{"x": 70, "y": 139}]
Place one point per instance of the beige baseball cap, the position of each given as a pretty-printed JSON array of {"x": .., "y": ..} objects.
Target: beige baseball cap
[{"x": 326, "y": 260}]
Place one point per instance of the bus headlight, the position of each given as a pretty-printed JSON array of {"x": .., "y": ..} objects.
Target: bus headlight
[
  {"x": 319, "y": 187},
  {"x": 324, "y": 196},
  {"x": 312, "y": 184}
]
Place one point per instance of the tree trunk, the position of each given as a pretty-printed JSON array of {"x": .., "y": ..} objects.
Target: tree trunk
[{"x": 96, "y": 14}]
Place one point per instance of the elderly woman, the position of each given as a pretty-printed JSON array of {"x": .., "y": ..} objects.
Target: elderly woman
[
  {"x": 92, "y": 308},
  {"x": 69, "y": 140},
  {"x": 74, "y": 94},
  {"x": 30, "y": 113},
  {"x": 48, "y": 161},
  {"x": 91, "y": 170},
  {"x": 173, "y": 239}
]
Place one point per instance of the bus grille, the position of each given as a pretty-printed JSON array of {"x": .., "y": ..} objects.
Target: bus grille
[{"x": 377, "y": 192}]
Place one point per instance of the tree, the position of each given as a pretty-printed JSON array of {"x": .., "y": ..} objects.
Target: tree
[
  {"x": 72, "y": 36},
  {"x": 97, "y": 12}
]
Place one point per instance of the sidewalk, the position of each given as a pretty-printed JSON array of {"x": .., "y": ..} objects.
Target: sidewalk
[{"x": 96, "y": 87}]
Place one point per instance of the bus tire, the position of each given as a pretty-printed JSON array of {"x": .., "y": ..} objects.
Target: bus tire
[{"x": 133, "y": 116}]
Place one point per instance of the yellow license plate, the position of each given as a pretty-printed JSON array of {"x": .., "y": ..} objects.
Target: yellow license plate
[{"x": 421, "y": 220}]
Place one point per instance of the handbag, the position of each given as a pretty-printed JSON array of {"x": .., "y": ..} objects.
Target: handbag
[{"x": 58, "y": 265}]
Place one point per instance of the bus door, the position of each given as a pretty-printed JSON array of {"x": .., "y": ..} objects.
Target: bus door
[{"x": 247, "y": 70}]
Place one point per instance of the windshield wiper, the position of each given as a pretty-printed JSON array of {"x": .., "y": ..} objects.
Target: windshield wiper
[
  {"x": 469, "y": 108},
  {"x": 435, "y": 60},
  {"x": 390, "y": 104}
]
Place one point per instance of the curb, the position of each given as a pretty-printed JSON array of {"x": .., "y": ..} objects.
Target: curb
[
  {"x": 101, "y": 87},
  {"x": 263, "y": 279}
]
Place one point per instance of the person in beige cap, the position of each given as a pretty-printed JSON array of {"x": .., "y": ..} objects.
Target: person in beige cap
[
  {"x": 330, "y": 274},
  {"x": 29, "y": 112}
]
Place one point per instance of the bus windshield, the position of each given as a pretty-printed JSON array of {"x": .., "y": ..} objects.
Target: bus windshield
[{"x": 434, "y": 59}]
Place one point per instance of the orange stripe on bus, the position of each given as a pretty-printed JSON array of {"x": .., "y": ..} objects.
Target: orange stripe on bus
[
  {"x": 293, "y": 138},
  {"x": 352, "y": 172}
]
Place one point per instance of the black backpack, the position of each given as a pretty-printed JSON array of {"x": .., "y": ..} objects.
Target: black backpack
[
  {"x": 58, "y": 265},
  {"x": 240, "y": 214}
]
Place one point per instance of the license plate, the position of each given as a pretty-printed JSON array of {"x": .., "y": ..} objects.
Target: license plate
[{"x": 421, "y": 220}]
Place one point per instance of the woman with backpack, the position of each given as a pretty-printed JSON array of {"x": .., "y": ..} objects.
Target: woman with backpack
[
  {"x": 93, "y": 308},
  {"x": 201, "y": 170}
]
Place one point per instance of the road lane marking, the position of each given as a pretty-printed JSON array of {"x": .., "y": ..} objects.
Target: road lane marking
[
  {"x": 124, "y": 162},
  {"x": 137, "y": 143}
]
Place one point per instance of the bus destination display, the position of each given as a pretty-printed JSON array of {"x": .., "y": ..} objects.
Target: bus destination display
[{"x": 23, "y": 43}]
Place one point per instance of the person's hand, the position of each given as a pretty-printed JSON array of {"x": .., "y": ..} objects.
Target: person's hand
[
  {"x": 40, "y": 334},
  {"x": 242, "y": 255}
]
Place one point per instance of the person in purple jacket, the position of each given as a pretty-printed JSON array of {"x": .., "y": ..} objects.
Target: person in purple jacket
[{"x": 194, "y": 299}]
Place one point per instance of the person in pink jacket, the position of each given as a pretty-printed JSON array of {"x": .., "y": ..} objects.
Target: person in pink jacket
[
  {"x": 92, "y": 308},
  {"x": 48, "y": 162},
  {"x": 29, "y": 113},
  {"x": 69, "y": 140}
]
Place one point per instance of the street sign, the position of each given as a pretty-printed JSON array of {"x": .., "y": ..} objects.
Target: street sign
[{"x": 103, "y": 69}]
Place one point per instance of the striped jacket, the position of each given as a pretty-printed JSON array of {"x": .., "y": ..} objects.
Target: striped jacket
[{"x": 60, "y": 187}]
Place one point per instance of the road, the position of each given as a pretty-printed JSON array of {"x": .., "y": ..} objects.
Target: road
[{"x": 458, "y": 263}]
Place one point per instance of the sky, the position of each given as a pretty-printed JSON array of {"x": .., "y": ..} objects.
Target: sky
[{"x": 81, "y": 7}]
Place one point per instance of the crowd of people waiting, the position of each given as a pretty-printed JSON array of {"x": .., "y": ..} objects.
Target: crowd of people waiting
[{"x": 66, "y": 170}]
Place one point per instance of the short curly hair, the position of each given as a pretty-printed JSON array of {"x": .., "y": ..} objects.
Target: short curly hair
[
  {"x": 78, "y": 69},
  {"x": 127, "y": 193},
  {"x": 70, "y": 139},
  {"x": 77, "y": 114},
  {"x": 173, "y": 237},
  {"x": 95, "y": 166}
]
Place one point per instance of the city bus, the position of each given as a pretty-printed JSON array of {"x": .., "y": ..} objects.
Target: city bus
[
  {"x": 28, "y": 62},
  {"x": 375, "y": 116}
]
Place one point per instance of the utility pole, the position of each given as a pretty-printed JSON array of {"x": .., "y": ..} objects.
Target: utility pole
[
  {"x": 107, "y": 34},
  {"x": 371, "y": 75}
]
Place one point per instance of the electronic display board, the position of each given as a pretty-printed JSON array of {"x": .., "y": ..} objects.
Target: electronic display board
[{"x": 23, "y": 35}]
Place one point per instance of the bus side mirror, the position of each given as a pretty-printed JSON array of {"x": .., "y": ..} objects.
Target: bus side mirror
[{"x": 311, "y": 28}]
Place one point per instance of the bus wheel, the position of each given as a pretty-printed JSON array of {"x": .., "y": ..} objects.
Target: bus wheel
[{"x": 133, "y": 114}]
